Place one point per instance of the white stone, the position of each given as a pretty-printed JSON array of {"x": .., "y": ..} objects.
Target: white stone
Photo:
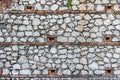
[
  {"x": 25, "y": 22},
  {"x": 7, "y": 64},
  {"x": 43, "y": 59},
  {"x": 63, "y": 51},
  {"x": 116, "y": 56},
  {"x": 67, "y": 72},
  {"x": 79, "y": 66},
  {"x": 36, "y": 22},
  {"x": 94, "y": 29},
  {"x": 64, "y": 66},
  {"x": 117, "y": 72},
  {"x": 118, "y": 27},
  {"x": 1, "y": 39},
  {"x": 109, "y": 55},
  {"x": 74, "y": 33},
  {"x": 61, "y": 39},
  {"x": 93, "y": 66},
  {"x": 53, "y": 50},
  {"x": 82, "y": 7},
  {"x": 99, "y": 72},
  {"x": 75, "y": 2},
  {"x": 90, "y": 6},
  {"x": 83, "y": 60},
  {"x": 16, "y": 66},
  {"x": 54, "y": 7},
  {"x": 107, "y": 22},
  {"x": 38, "y": 6},
  {"x": 71, "y": 39},
  {"x": 100, "y": 7},
  {"x": 117, "y": 50},
  {"x": 98, "y": 22},
  {"x": 25, "y": 72},
  {"x": 28, "y": 33},
  {"x": 18, "y": 22},
  {"x": 40, "y": 39},
  {"x": 76, "y": 60},
  {"x": 36, "y": 58},
  {"x": 67, "y": 20},
  {"x": 6, "y": 71},
  {"x": 79, "y": 28},
  {"x": 25, "y": 66},
  {"x": 116, "y": 22},
  {"x": 87, "y": 17},
  {"x": 42, "y": 1},
  {"x": 22, "y": 59}
]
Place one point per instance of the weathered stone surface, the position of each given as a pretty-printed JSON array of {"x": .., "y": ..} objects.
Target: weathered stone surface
[{"x": 23, "y": 59}]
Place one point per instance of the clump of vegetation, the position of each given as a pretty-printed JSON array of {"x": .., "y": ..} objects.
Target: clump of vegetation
[{"x": 69, "y": 3}]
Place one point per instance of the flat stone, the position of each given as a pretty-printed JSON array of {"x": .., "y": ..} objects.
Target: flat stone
[
  {"x": 79, "y": 66},
  {"x": 67, "y": 72},
  {"x": 18, "y": 21},
  {"x": 16, "y": 66},
  {"x": 53, "y": 50},
  {"x": 64, "y": 66},
  {"x": 36, "y": 58},
  {"x": 79, "y": 28},
  {"x": 117, "y": 50},
  {"x": 54, "y": 7},
  {"x": 83, "y": 60},
  {"x": 93, "y": 66},
  {"x": 36, "y": 22},
  {"x": 98, "y": 22},
  {"x": 74, "y": 33},
  {"x": 22, "y": 59},
  {"x": 61, "y": 39},
  {"x": 76, "y": 60},
  {"x": 25, "y": 66},
  {"x": 25, "y": 72}
]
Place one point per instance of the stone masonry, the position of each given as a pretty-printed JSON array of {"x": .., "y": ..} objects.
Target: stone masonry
[{"x": 67, "y": 59}]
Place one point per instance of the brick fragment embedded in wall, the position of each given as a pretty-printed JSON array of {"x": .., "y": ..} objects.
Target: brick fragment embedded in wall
[
  {"x": 109, "y": 7},
  {"x": 1, "y": 71},
  {"x": 5, "y": 4},
  {"x": 29, "y": 8},
  {"x": 52, "y": 71},
  {"x": 52, "y": 39},
  {"x": 109, "y": 71},
  {"x": 107, "y": 38}
]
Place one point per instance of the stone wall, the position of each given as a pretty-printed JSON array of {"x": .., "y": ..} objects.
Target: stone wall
[{"x": 68, "y": 59}]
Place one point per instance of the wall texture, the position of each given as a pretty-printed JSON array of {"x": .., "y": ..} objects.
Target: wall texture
[{"x": 71, "y": 59}]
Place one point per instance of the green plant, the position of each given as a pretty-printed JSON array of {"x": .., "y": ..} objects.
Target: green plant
[{"x": 69, "y": 3}]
